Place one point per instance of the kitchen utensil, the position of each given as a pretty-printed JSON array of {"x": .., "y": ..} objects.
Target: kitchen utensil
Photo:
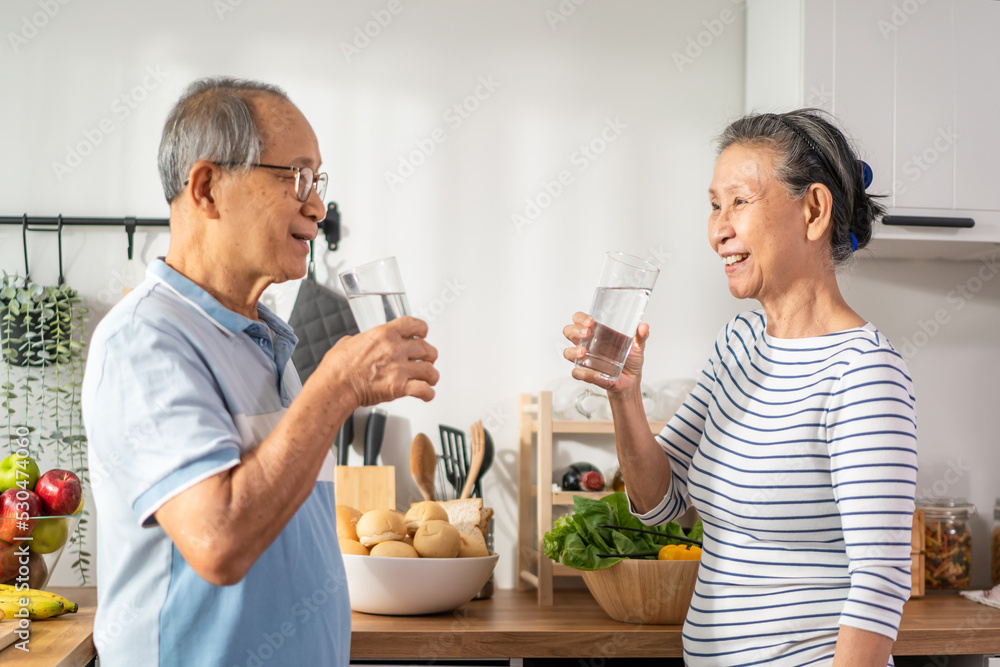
[
  {"x": 343, "y": 441},
  {"x": 456, "y": 461},
  {"x": 475, "y": 459},
  {"x": 641, "y": 554},
  {"x": 374, "y": 432},
  {"x": 489, "y": 451},
  {"x": 653, "y": 532},
  {"x": 423, "y": 465}
]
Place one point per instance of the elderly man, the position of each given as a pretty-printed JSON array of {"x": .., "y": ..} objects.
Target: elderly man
[{"x": 211, "y": 465}]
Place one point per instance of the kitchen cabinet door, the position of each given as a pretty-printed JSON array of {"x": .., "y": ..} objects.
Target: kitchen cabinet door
[
  {"x": 863, "y": 85},
  {"x": 977, "y": 103},
  {"x": 925, "y": 104}
]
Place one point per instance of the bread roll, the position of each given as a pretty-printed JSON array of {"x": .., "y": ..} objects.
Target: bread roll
[
  {"x": 437, "y": 539},
  {"x": 347, "y": 521},
  {"x": 377, "y": 526},
  {"x": 394, "y": 550},
  {"x": 473, "y": 546},
  {"x": 422, "y": 512},
  {"x": 465, "y": 514},
  {"x": 352, "y": 547}
]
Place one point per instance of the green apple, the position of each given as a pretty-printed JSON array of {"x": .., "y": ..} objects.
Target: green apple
[
  {"x": 18, "y": 472},
  {"x": 49, "y": 535}
]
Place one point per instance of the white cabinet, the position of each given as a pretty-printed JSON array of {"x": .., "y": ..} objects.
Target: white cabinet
[{"x": 917, "y": 85}]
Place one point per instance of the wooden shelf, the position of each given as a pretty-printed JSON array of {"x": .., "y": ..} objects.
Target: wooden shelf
[
  {"x": 536, "y": 499},
  {"x": 581, "y": 427},
  {"x": 568, "y": 426},
  {"x": 566, "y": 497}
]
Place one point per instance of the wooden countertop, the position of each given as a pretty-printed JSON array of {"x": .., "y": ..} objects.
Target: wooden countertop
[
  {"x": 65, "y": 641},
  {"x": 512, "y": 625}
]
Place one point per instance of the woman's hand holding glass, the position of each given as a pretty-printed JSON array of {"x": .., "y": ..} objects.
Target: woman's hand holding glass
[{"x": 629, "y": 380}]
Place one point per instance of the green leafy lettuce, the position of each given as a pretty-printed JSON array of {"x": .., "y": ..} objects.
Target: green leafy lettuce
[{"x": 577, "y": 538}]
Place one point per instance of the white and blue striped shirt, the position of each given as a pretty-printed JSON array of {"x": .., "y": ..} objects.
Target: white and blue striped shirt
[{"x": 800, "y": 457}]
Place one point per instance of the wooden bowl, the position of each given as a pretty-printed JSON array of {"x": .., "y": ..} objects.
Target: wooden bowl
[{"x": 656, "y": 592}]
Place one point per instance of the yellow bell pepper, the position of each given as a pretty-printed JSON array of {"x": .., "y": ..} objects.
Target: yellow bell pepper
[{"x": 679, "y": 552}]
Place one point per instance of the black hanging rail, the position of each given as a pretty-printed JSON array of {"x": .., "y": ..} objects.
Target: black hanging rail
[
  {"x": 56, "y": 224},
  {"x": 328, "y": 226},
  {"x": 83, "y": 222}
]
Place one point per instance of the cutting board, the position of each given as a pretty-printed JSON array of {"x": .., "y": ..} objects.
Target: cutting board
[
  {"x": 7, "y": 636},
  {"x": 365, "y": 487}
]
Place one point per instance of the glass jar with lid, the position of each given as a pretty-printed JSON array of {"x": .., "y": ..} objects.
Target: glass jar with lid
[
  {"x": 995, "y": 551},
  {"x": 948, "y": 543}
]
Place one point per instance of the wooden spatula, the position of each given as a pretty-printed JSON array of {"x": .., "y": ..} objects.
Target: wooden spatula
[
  {"x": 423, "y": 465},
  {"x": 475, "y": 459}
]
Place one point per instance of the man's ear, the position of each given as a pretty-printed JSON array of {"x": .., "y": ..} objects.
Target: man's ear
[
  {"x": 818, "y": 211},
  {"x": 203, "y": 181}
]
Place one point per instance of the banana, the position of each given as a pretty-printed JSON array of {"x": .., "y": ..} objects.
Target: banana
[
  {"x": 8, "y": 591},
  {"x": 39, "y": 607}
]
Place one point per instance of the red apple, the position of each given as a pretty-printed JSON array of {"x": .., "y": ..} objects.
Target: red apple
[
  {"x": 60, "y": 492},
  {"x": 8, "y": 561},
  {"x": 17, "y": 509},
  {"x": 10, "y": 567}
]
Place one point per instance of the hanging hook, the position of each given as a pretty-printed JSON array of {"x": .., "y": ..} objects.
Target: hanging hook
[
  {"x": 330, "y": 226},
  {"x": 59, "y": 237},
  {"x": 130, "y": 230}
]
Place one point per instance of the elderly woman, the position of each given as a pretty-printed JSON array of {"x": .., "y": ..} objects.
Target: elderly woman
[{"x": 797, "y": 446}]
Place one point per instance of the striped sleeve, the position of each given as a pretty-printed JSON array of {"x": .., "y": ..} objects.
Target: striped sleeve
[
  {"x": 871, "y": 430},
  {"x": 679, "y": 440}
]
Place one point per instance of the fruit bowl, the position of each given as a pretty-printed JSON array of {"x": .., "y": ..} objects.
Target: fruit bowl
[
  {"x": 414, "y": 586},
  {"x": 38, "y": 553},
  {"x": 656, "y": 592}
]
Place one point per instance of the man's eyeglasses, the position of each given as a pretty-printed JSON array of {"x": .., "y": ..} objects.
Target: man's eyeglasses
[{"x": 305, "y": 178}]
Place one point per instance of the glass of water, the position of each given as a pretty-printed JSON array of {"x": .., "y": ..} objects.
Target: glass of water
[
  {"x": 619, "y": 302},
  {"x": 375, "y": 292}
]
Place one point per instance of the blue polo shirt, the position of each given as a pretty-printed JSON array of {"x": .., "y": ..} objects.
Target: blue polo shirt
[{"x": 176, "y": 389}]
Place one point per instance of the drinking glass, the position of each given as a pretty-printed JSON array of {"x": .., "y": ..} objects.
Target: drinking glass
[
  {"x": 619, "y": 301},
  {"x": 375, "y": 292}
]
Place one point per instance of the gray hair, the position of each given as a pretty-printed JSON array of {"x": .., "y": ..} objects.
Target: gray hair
[
  {"x": 811, "y": 149},
  {"x": 213, "y": 121}
]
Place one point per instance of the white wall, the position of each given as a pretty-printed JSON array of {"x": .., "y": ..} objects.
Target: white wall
[{"x": 510, "y": 288}]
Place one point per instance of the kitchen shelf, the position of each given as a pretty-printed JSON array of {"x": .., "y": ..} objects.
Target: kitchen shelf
[
  {"x": 566, "y": 497},
  {"x": 536, "y": 499}
]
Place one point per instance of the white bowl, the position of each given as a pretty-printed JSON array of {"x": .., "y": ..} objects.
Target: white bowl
[{"x": 414, "y": 586}]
